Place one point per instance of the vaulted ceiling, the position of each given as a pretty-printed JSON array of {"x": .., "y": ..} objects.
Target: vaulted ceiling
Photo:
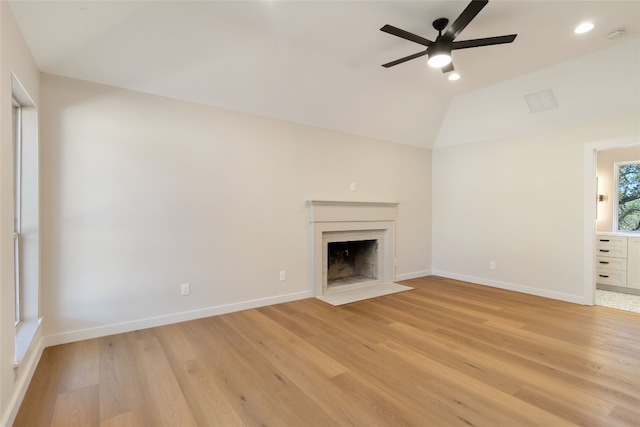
[{"x": 319, "y": 62}]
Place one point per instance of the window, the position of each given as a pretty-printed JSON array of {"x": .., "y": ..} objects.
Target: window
[
  {"x": 627, "y": 179},
  {"x": 17, "y": 205},
  {"x": 26, "y": 224}
]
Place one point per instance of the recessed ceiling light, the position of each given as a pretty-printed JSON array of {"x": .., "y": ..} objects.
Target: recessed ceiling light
[
  {"x": 585, "y": 27},
  {"x": 454, "y": 76}
]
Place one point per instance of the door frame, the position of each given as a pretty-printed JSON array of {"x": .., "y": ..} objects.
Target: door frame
[{"x": 590, "y": 206}]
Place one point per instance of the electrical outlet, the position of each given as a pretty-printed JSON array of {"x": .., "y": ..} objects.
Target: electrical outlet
[
  {"x": 492, "y": 265},
  {"x": 353, "y": 186},
  {"x": 185, "y": 289},
  {"x": 283, "y": 276}
]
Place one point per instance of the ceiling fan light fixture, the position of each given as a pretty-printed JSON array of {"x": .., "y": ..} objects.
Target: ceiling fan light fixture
[
  {"x": 439, "y": 54},
  {"x": 439, "y": 60}
]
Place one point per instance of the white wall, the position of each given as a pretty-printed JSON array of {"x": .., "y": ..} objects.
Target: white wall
[
  {"x": 142, "y": 193},
  {"x": 606, "y": 159},
  {"x": 601, "y": 84},
  {"x": 518, "y": 201},
  {"x": 14, "y": 57}
]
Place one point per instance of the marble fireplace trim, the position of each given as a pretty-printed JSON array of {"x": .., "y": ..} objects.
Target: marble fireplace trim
[{"x": 332, "y": 216}]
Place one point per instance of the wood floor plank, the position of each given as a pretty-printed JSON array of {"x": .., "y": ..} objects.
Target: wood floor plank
[
  {"x": 163, "y": 398},
  {"x": 381, "y": 406},
  {"x": 447, "y": 353},
  {"x": 478, "y": 364},
  {"x": 305, "y": 370},
  {"x": 81, "y": 366},
  {"x": 284, "y": 400},
  {"x": 261, "y": 331},
  {"x": 207, "y": 401},
  {"x": 77, "y": 408},
  {"x": 549, "y": 355},
  {"x": 120, "y": 383},
  {"x": 572, "y": 406},
  {"x": 237, "y": 388},
  {"x": 622, "y": 416},
  {"x": 536, "y": 372},
  {"x": 39, "y": 402},
  {"x": 134, "y": 418},
  {"x": 287, "y": 319},
  {"x": 494, "y": 399},
  {"x": 471, "y": 408}
]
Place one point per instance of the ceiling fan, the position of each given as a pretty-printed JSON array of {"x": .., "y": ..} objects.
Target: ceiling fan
[{"x": 439, "y": 51}]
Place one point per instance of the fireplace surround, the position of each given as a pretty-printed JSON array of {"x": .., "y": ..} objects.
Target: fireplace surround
[{"x": 342, "y": 222}]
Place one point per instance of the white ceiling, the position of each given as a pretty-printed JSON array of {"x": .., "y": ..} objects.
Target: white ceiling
[{"x": 319, "y": 62}]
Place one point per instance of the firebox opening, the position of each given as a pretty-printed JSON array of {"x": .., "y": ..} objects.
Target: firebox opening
[{"x": 352, "y": 262}]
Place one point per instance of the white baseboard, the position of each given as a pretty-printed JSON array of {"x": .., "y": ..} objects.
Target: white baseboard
[
  {"x": 101, "y": 331},
  {"x": 576, "y": 299},
  {"x": 414, "y": 275},
  {"x": 26, "y": 368}
]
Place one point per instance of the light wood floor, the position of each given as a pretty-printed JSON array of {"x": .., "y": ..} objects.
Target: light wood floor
[{"x": 445, "y": 354}]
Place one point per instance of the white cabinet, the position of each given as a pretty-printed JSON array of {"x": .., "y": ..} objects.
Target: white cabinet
[
  {"x": 633, "y": 262},
  {"x": 611, "y": 260},
  {"x": 611, "y": 246},
  {"x": 618, "y": 260}
]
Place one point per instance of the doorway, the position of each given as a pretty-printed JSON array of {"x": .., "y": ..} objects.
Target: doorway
[{"x": 601, "y": 210}]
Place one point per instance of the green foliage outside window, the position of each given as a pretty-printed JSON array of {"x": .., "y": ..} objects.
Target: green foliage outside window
[{"x": 629, "y": 197}]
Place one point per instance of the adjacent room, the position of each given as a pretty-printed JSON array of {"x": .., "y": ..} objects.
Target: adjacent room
[
  {"x": 319, "y": 212},
  {"x": 617, "y": 226}
]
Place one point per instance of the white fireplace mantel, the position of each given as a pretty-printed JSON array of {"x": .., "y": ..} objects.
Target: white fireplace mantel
[
  {"x": 332, "y": 211},
  {"x": 338, "y": 216}
]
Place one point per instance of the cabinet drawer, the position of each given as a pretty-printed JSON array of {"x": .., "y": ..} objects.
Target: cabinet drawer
[
  {"x": 610, "y": 263},
  {"x": 611, "y": 241},
  {"x": 611, "y": 251},
  {"x": 615, "y": 278}
]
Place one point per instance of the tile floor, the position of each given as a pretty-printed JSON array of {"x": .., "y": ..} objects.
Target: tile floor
[{"x": 617, "y": 300}]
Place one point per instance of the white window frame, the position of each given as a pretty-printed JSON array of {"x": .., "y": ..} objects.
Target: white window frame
[
  {"x": 27, "y": 220},
  {"x": 17, "y": 203}
]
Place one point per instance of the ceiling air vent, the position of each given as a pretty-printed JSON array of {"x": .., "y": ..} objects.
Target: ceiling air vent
[{"x": 541, "y": 101}]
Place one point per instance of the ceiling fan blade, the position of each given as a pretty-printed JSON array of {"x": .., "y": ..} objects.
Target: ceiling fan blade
[
  {"x": 488, "y": 41},
  {"x": 405, "y": 59},
  {"x": 465, "y": 17},
  {"x": 448, "y": 68},
  {"x": 405, "y": 35}
]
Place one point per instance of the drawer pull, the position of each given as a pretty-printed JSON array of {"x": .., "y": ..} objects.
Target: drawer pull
[
  {"x": 603, "y": 275},
  {"x": 605, "y": 240},
  {"x": 604, "y": 250},
  {"x": 604, "y": 262}
]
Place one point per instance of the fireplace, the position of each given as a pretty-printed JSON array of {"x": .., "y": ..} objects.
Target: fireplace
[
  {"x": 352, "y": 258},
  {"x": 353, "y": 261},
  {"x": 352, "y": 245}
]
